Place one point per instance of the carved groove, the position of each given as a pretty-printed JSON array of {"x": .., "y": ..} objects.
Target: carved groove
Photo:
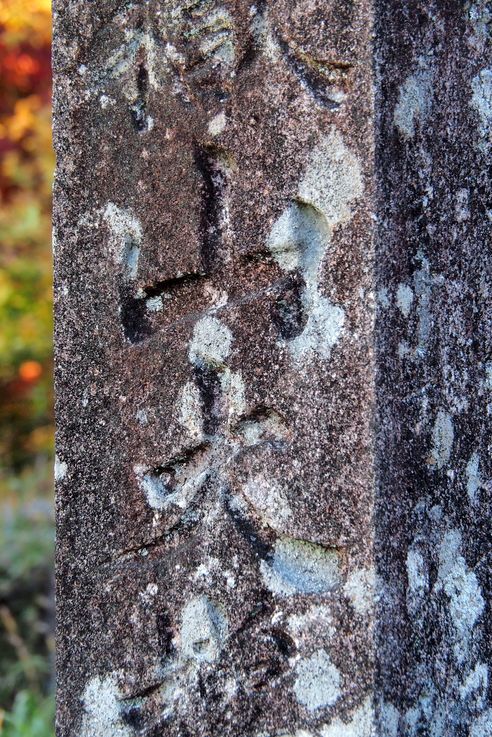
[
  {"x": 212, "y": 166},
  {"x": 326, "y": 80},
  {"x": 139, "y": 108},
  {"x": 288, "y": 313}
]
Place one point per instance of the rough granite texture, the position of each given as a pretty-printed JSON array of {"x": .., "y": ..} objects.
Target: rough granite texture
[{"x": 273, "y": 368}]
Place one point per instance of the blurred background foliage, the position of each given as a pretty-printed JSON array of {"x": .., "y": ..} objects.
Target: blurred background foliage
[{"x": 26, "y": 422}]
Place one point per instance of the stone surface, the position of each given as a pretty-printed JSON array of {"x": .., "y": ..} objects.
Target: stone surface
[
  {"x": 272, "y": 368},
  {"x": 433, "y": 336}
]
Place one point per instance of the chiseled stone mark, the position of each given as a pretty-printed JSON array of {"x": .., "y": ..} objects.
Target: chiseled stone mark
[
  {"x": 265, "y": 425},
  {"x": 359, "y": 588},
  {"x": 204, "y": 630},
  {"x": 208, "y": 31},
  {"x": 176, "y": 484},
  {"x": 211, "y": 343},
  {"x": 481, "y": 101},
  {"x": 360, "y": 725},
  {"x": 102, "y": 709},
  {"x": 460, "y": 584},
  {"x": 126, "y": 238},
  {"x": 383, "y": 299},
  {"x": 317, "y": 683},
  {"x": 442, "y": 440},
  {"x": 462, "y": 206},
  {"x": 302, "y": 567},
  {"x": 414, "y": 100},
  {"x": 191, "y": 410},
  {"x": 264, "y": 38},
  {"x": 473, "y": 479},
  {"x": 404, "y": 299},
  {"x": 300, "y": 237},
  {"x": 60, "y": 469}
]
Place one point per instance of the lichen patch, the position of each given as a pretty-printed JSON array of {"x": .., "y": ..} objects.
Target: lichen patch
[
  {"x": 361, "y": 724},
  {"x": 298, "y": 566},
  {"x": 442, "y": 440},
  {"x": 414, "y": 100},
  {"x": 461, "y": 587},
  {"x": 481, "y": 101},
  {"x": 204, "y": 630},
  {"x": 102, "y": 709},
  {"x": 125, "y": 238},
  {"x": 318, "y": 681},
  {"x": 211, "y": 343}
]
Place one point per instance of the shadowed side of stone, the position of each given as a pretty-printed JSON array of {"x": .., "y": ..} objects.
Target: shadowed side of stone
[{"x": 433, "y": 346}]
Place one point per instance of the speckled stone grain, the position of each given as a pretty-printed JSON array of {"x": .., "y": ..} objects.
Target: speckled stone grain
[{"x": 272, "y": 372}]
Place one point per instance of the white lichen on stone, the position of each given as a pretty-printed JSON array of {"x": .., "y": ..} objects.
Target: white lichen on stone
[
  {"x": 473, "y": 479},
  {"x": 417, "y": 578},
  {"x": 462, "y": 589},
  {"x": 217, "y": 124},
  {"x": 318, "y": 681},
  {"x": 442, "y": 440},
  {"x": 126, "y": 238},
  {"x": 154, "y": 304},
  {"x": 232, "y": 384},
  {"x": 404, "y": 299},
  {"x": 264, "y": 38},
  {"x": 389, "y": 719},
  {"x": 361, "y": 723},
  {"x": 60, "y": 469},
  {"x": 316, "y": 622},
  {"x": 268, "y": 498},
  {"x": 414, "y": 100},
  {"x": 332, "y": 181},
  {"x": 383, "y": 299},
  {"x": 203, "y": 631},
  {"x": 359, "y": 588},
  {"x": 481, "y": 726},
  {"x": 173, "y": 487},
  {"x": 191, "y": 410},
  {"x": 211, "y": 343},
  {"x": 298, "y": 566},
  {"x": 142, "y": 417},
  {"x": 481, "y": 101},
  {"x": 301, "y": 236},
  {"x": 476, "y": 684},
  {"x": 480, "y": 19},
  {"x": 423, "y": 283},
  {"x": 102, "y": 715}
]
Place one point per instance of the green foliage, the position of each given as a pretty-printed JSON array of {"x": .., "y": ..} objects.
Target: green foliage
[
  {"x": 26, "y": 560},
  {"x": 31, "y": 716},
  {"x": 26, "y": 422}
]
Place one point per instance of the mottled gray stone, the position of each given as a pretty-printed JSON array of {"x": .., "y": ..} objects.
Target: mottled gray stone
[{"x": 273, "y": 368}]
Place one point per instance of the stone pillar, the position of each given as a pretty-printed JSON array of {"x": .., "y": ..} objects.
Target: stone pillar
[
  {"x": 244, "y": 441},
  {"x": 434, "y": 351}
]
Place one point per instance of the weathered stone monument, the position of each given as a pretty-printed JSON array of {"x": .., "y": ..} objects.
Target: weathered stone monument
[{"x": 274, "y": 368}]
